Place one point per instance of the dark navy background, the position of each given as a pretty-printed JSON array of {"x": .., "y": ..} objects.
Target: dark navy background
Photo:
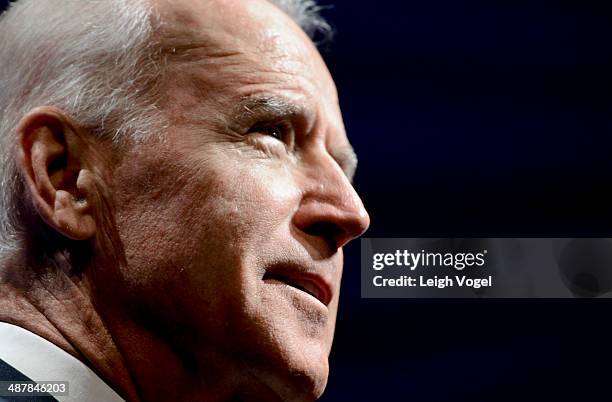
[{"x": 475, "y": 118}]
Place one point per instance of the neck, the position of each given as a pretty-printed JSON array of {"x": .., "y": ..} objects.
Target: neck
[
  {"x": 58, "y": 307},
  {"x": 173, "y": 363}
]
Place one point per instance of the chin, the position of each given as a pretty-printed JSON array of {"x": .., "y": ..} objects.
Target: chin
[
  {"x": 303, "y": 381},
  {"x": 305, "y": 368},
  {"x": 319, "y": 381},
  {"x": 291, "y": 363}
]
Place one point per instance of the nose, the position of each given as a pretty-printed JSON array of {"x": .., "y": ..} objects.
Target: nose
[{"x": 330, "y": 208}]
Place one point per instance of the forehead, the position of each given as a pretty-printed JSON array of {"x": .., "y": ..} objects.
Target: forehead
[{"x": 250, "y": 42}]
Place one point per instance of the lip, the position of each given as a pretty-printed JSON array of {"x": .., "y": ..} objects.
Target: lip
[{"x": 304, "y": 280}]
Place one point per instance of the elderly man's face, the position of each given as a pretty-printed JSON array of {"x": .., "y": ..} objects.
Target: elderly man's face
[{"x": 233, "y": 224}]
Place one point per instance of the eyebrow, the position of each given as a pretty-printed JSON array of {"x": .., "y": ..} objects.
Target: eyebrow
[{"x": 251, "y": 108}]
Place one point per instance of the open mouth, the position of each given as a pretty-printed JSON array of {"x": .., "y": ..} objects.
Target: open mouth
[{"x": 307, "y": 283}]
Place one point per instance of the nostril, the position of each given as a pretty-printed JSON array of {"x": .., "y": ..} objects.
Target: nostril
[{"x": 328, "y": 231}]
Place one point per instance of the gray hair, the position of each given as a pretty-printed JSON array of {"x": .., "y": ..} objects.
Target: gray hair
[{"x": 97, "y": 61}]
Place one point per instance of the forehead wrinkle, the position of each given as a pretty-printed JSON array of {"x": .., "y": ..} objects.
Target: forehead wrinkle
[
  {"x": 193, "y": 51},
  {"x": 205, "y": 62},
  {"x": 239, "y": 65}
]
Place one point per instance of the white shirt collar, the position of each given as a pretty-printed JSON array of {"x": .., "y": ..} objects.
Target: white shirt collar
[{"x": 41, "y": 360}]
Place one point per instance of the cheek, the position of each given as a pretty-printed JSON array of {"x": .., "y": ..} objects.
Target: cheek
[
  {"x": 201, "y": 224},
  {"x": 244, "y": 204}
]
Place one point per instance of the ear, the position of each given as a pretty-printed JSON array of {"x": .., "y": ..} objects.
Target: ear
[{"x": 52, "y": 157}]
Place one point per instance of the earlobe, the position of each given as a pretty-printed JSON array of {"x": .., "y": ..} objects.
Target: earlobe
[{"x": 53, "y": 162}]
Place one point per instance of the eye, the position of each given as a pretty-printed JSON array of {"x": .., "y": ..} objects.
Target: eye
[
  {"x": 281, "y": 131},
  {"x": 273, "y": 131}
]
